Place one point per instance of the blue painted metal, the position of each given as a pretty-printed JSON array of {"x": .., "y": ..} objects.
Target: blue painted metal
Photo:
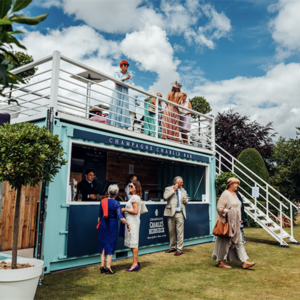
[{"x": 55, "y": 244}]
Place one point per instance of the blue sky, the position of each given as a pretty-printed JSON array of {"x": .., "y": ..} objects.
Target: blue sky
[{"x": 238, "y": 54}]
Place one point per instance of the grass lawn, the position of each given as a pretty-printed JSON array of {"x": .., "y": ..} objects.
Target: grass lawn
[{"x": 193, "y": 275}]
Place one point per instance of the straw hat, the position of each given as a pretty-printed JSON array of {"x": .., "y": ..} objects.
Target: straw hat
[
  {"x": 176, "y": 85},
  {"x": 232, "y": 180},
  {"x": 150, "y": 92},
  {"x": 96, "y": 108}
]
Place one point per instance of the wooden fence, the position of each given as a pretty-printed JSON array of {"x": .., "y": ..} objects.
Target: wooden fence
[{"x": 27, "y": 219}]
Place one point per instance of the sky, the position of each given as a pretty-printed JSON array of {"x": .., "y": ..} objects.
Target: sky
[{"x": 238, "y": 54}]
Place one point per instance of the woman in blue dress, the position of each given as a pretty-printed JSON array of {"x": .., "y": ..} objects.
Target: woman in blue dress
[
  {"x": 119, "y": 103},
  {"x": 108, "y": 233}
]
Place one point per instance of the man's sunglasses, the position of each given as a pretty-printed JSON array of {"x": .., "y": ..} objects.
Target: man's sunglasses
[{"x": 126, "y": 65}]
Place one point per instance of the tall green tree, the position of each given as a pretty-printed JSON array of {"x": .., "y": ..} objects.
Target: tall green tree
[
  {"x": 8, "y": 17},
  {"x": 200, "y": 105},
  {"x": 286, "y": 164},
  {"x": 29, "y": 154}
]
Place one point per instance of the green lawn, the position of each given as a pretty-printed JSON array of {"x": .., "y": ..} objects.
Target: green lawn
[{"x": 191, "y": 276}]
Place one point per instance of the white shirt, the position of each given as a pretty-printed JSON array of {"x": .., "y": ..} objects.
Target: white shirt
[{"x": 180, "y": 204}]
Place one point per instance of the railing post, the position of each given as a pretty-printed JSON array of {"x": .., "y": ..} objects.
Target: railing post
[
  {"x": 255, "y": 200},
  {"x": 220, "y": 164},
  {"x": 88, "y": 95},
  {"x": 156, "y": 117},
  {"x": 280, "y": 205},
  {"x": 213, "y": 137},
  {"x": 54, "y": 81},
  {"x": 267, "y": 199},
  {"x": 232, "y": 164},
  {"x": 291, "y": 216}
]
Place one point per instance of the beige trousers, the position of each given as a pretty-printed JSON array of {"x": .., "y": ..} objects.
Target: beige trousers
[{"x": 176, "y": 225}]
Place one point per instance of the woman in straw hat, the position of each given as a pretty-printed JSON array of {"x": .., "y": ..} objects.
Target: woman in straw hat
[
  {"x": 225, "y": 248},
  {"x": 149, "y": 117},
  {"x": 119, "y": 103},
  {"x": 170, "y": 120}
]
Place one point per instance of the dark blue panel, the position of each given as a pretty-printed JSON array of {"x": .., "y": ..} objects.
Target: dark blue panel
[
  {"x": 142, "y": 146},
  {"x": 83, "y": 237}
]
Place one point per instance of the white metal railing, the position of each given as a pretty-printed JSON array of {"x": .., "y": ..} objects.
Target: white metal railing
[
  {"x": 226, "y": 161},
  {"x": 61, "y": 85}
]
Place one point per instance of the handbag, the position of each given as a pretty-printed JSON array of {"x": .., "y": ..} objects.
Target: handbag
[
  {"x": 151, "y": 108},
  {"x": 143, "y": 208},
  {"x": 221, "y": 229},
  {"x": 98, "y": 226}
]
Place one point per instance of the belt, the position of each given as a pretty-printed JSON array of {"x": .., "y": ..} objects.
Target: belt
[{"x": 178, "y": 212}]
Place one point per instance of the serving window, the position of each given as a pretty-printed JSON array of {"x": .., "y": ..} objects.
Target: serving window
[{"x": 154, "y": 173}]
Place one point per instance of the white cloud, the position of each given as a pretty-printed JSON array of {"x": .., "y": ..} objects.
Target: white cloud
[
  {"x": 272, "y": 97},
  {"x": 151, "y": 49},
  {"x": 285, "y": 27},
  {"x": 48, "y": 3}
]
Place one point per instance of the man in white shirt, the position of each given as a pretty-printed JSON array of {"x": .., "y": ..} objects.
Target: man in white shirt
[{"x": 176, "y": 197}]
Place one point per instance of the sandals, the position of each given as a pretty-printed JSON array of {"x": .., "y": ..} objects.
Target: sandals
[{"x": 221, "y": 264}]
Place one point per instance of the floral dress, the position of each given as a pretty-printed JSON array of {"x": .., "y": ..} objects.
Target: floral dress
[
  {"x": 119, "y": 103},
  {"x": 131, "y": 239}
]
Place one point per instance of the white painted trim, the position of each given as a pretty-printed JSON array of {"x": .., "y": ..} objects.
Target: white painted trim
[
  {"x": 131, "y": 152},
  {"x": 41, "y": 115}
]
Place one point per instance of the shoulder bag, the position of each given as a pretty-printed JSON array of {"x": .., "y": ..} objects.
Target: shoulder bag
[
  {"x": 143, "y": 208},
  {"x": 221, "y": 229}
]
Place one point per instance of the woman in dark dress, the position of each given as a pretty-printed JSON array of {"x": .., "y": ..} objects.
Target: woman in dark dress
[{"x": 108, "y": 232}]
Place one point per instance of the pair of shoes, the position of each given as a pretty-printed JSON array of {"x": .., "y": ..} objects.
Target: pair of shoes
[
  {"x": 248, "y": 264},
  {"x": 178, "y": 253},
  {"x": 223, "y": 265},
  {"x": 170, "y": 250},
  {"x": 136, "y": 268},
  {"x": 102, "y": 270},
  {"x": 108, "y": 271}
]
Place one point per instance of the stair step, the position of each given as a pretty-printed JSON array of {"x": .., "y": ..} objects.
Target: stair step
[
  {"x": 267, "y": 221},
  {"x": 274, "y": 228}
]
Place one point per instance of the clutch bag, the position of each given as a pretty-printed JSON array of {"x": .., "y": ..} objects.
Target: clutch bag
[
  {"x": 98, "y": 226},
  {"x": 221, "y": 229}
]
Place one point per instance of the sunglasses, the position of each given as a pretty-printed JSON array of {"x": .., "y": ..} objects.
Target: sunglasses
[
  {"x": 126, "y": 65},
  {"x": 131, "y": 185}
]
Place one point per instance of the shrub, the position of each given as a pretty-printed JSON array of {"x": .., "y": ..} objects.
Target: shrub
[
  {"x": 253, "y": 161},
  {"x": 221, "y": 182}
]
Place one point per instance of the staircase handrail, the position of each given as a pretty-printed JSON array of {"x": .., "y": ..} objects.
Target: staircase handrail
[
  {"x": 254, "y": 181},
  {"x": 268, "y": 185}
]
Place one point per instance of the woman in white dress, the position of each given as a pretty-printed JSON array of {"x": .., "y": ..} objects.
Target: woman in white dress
[
  {"x": 127, "y": 192},
  {"x": 132, "y": 215}
]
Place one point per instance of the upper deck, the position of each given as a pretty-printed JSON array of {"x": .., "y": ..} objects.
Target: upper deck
[{"x": 74, "y": 92}]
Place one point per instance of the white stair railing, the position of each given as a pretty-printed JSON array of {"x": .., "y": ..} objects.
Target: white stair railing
[{"x": 260, "y": 211}]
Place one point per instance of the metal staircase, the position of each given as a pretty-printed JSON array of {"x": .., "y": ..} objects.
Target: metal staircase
[{"x": 255, "y": 209}]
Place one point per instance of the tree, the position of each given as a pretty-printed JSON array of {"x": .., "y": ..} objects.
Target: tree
[
  {"x": 29, "y": 154},
  {"x": 21, "y": 59},
  {"x": 200, "y": 105},
  {"x": 235, "y": 132},
  {"x": 8, "y": 17},
  {"x": 286, "y": 164},
  {"x": 221, "y": 182}
]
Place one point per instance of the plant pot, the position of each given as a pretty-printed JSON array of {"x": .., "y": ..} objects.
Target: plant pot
[
  {"x": 20, "y": 283},
  {"x": 12, "y": 109}
]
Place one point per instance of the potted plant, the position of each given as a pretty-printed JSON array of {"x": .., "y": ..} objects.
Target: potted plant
[{"x": 29, "y": 154}]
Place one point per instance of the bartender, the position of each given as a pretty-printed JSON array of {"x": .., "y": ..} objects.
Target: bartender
[
  {"x": 88, "y": 187},
  {"x": 127, "y": 193}
]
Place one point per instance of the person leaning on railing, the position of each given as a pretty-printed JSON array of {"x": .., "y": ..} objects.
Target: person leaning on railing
[
  {"x": 230, "y": 248},
  {"x": 109, "y": 212},
  {"x": 119, "y": 104},
  {"x": 185, "y": 118},
  {"x": 149, "y": 116},
  {"x": 170, "y": 120}
]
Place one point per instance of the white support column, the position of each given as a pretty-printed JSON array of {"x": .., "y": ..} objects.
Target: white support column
[
  {"x": 255, "y": 200},
  {"x": 54, "y": 80},
  {"x": 291, "y": 216},
  {"x": 232, "y": 164},
  {"x": 156, "y": 117},
  {"x": 213, "y": 137},
  {"x": 220, "y": 163},
  {"x": 88, "y": 95}
]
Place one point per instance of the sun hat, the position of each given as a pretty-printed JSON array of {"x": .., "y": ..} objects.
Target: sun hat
[
  {"x": 150, "y": 92},
  {"x": 176, "y": 85},
  {"x": 232, "y": 180},
  {"x": 123, "y": 62}
]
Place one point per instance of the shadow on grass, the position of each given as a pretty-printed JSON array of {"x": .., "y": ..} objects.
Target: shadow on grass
[{"x": 262, "y": 241}]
